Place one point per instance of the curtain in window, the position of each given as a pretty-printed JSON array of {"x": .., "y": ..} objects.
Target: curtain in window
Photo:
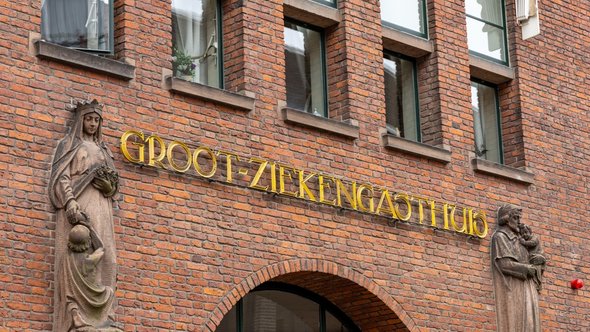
[
  {"x": 491, "y": 11},
  {"x": 76, "y": 23},
  {"x": 194, "y": 35},
  {"x": 297, "y": 69},
  {"x": 480, "y": 142}
]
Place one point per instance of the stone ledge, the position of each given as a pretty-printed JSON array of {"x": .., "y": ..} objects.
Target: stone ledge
[
  {"x": 311, "y": 12},
  {"x": 489, "y": 71},
  {"x": 417, "y": 149},
  {"x": 317, "y": 122},
  {"x": 84, "y": 60},
  {"x": 209, "y": 93},
  {"x": 492, "y": 168},
  {"x": 405, "y": 43}
]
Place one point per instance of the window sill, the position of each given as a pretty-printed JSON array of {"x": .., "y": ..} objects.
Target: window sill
[
  {"x": 489, "y": 71},
  {"x": 406, "y": 44},
  {"x": 312, "y": 13},
  {"x": 417, "y": 149},
  {"x": 312, "y": 121},
  {"x": 219, "y": 96},
  {"x": 45, "y": 50},
  {"x": 492, "y": 168}
]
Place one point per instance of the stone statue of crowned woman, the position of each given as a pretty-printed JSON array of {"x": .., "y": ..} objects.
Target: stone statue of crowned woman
[{"x": 82, "y": 185}]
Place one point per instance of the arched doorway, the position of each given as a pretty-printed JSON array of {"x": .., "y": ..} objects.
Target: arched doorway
[
  {"x": 370, "y": 307},
  {"x": 278, "y": 306}
]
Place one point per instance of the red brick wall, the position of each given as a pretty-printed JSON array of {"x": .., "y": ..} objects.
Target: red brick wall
[{"x": 185, "y": 244}]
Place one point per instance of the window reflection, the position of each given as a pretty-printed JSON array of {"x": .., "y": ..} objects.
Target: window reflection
[
  {"x": 486, "y": 29},
  {"x": 406, "y": 14},
  {"x": 486, "y": 122},
  {"x": 305, "y": 69},
  {"x": 400, "y": 97},
  {"x": 195, "y": 41}
]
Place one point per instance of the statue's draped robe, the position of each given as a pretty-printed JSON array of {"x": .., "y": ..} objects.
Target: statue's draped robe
[
  {"x": 72, "y": 173},
  {"x": 516, "y": 295}
]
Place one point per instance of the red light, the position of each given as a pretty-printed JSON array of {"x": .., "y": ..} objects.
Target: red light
[{"x": 577, "y": 284}]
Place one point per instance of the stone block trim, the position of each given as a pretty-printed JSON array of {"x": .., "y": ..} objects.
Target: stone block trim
[
  {"x": 312, "y": 13},
  {"x": 220, "y": 96},
  {"x": 282, "y": 269},
  {"x": 84, "y": 60},
  {"x": 489, "y": 71},
  {"x": 312, "y": 121},
  {"x": 417, "y": 148},
  {"x": 404, "y": 43},
  {"x": 492, "y": 168}
]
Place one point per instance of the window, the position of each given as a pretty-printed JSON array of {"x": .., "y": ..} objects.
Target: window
[
  {"x": 305, "y": 69},
  {"x": 486, "y": 119},
  {"x": 276, "y": 307},
  {"x": 486, "y": 29},
  {"x": 406, "y": 15},
  {"x": 196, "y": 41},
  {"x": 401, "y": 100},
  {"x": 331, "y": 3},
  {"x": 84, "y": 25}
]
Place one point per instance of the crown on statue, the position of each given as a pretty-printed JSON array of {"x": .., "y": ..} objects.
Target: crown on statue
[{"x": 87, "y": 106}]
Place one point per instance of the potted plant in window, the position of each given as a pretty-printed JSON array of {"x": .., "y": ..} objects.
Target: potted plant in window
[{"x": 183, "y": 65}]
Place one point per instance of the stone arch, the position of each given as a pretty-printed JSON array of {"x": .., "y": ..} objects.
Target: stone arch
[{"x": 310, "y": 274}]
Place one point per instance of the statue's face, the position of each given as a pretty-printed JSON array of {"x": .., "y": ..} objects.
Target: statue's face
[
  {"x": 91, "y": 123},
  {"x": 514, "y": 221}
]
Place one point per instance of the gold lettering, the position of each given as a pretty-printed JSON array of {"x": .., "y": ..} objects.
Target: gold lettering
[
  {"x": 463, "y": 228},
  {"x": 261, "y": 168},
  {"x": 273, "y": 177},
  {"x": 350, "y": 195},
  {"x": 152, "y": 159},
  {"x": 433, "y": 211},
  {"x": 171, "y": 157},
  {"x": 385, "y": 197},
  {"x": 323, "y": 185},
  {"x": 359, "y": 194},
  {"x": 140, "y": 146},
  {"x": 303, "y": 188},
  {"x": 285, "y": 171},
  {"x": 405, "y": 199},
  {"x": 198, "y": 168},
  {"x": 228, "y": 168},
  {"x": 446, "y": 215},
  {"x": 481, "y": 215},
  {"x": 420, "y": 201}
]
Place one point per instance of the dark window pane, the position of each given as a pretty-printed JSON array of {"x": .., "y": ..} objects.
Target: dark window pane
[
  {"x": 407, "y": 14},
  {"x": 83, "y": 24},
  {"x": 331, "y": 3},
  {"x": 486, "y": 123},
  {"x": 195, "y": 41},
  {"x": 333, "y": 324},
  {"x": 400, "y": 97},
  {"x": 228, "y": 324},
  {"x": 304, "y": 69},
  {"x": 273, "y": 311}
]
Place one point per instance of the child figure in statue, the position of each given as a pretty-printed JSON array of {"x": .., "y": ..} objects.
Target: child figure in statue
[
  {"x": 86, "y": 297},
  {"x": 531, "y": 242}
]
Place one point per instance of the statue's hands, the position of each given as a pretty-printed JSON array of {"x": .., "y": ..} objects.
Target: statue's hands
[
  {"x": 103, "y": 185},
  {"x": 531, "y": 271},
  {"x": 72, "y": 210},
  {"x": 97, "y": 254}
]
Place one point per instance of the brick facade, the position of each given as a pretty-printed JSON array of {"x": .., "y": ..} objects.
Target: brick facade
[{"x": 189, "y": 248}]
